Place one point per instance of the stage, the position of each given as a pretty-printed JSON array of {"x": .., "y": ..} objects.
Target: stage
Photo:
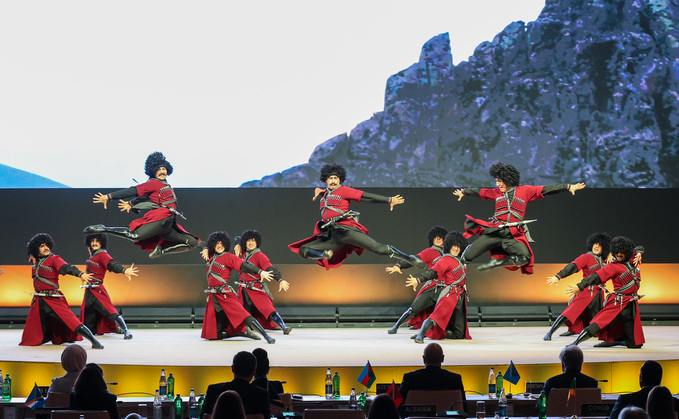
[{"x": 301, "y": 357}]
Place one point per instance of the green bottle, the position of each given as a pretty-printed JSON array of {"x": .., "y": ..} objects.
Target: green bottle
[
  {"x": 336, "y": 385},
  {"x": 170, "y": 387},
  {"x": 178, "y": 407},
  {"x": 499, "y": 384},
  {"x": 542, "y": 405},
  {"x": 362, "y": 401},
  {"x": 6, "y": 388},
  {"x": 201, "y": 400}
]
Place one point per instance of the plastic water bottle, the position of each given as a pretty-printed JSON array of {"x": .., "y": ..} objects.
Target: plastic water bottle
[
  {"x": 157, "y": 406},
  {"x": 6, "y": 388},
  {"x": 481, "y": 409},
  {"x": 178, "y": 407},
  {"x": 362, "y": 401},
  {"x": 170, "y": 387},
  {"x": 499, "y": 383},
  {"x": 328, "y": 384},
  {"x": 502, "y": 404},
  {"x": 201, "y": 401},
  {"x": 353, "y": 403},
  {"x": 542, "y": 405},
  {"x": 2, "y": 388},
  {"x": 491, "y": 383},
  {"x": 162, "y": 385},
  {"x": 193, "y": 405},
  {"x": 336, "y": 385}
]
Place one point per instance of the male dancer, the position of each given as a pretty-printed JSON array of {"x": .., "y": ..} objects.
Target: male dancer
[
  {"x": 506, "y": 236},
  {"x": 254, "y": 293},
  {"x": 424, "y": 303},
  {"x": 619, "y": 322},
  {"x": 50, "y": 317},
  {"x": 224, "y": 315},
  {"x": 339, "y": 233},
  {"x": 97, "y": 311},
  {"x": 585, "y": 305},
  {"x": 449, "y": 318},
  {"x": 157, "y": 231}
]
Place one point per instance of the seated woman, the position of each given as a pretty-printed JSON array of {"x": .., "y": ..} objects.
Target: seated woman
[
  {"x": 229, "y": 404},
  {"x": 73, "y": 360},
  {"x": 90, "y": 392}
]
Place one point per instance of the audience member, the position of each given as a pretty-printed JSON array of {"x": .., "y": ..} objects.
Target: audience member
[
  {"x": 432, "y": 376},
  {"x": 650, "y": 375},
  {"x": 633, "y": 412},
  {"x": 383, "y": 407},
  {"x": 90, "y": 392},
  {"x": 229, "y": 405},
  {"x": 73, "y": 360},
  {"x": 660, "y": 403},
  {"x": 261, "y": 379},
  {"x": 571, "y": 363},
  {"x": 255, "y": 399}
]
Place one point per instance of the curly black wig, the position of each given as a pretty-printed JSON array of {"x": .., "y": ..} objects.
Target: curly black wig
[
  {"x": 155, "y": 161},
  {"x": 333, "y": 169},
  {"x": 217, "y": 236},
  {"x": 454, "y": 238},
  {"x": 103, "y": 239},
  {"x": 622, "y": 245},
  {"x": 434, "y": 232},
  {"x": 604, "y": 241},
  {"x": 250, "y": 234},
  {"x": 33, "y": 245},
  {"x": 506, "y": 173}
]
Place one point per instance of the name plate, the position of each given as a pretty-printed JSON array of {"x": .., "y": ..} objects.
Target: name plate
[
  {"x": 596, "y": 409},
  {"x": 419, "y": 410}
]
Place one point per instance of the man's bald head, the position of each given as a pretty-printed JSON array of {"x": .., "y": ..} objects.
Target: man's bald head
[{"x": 433, "y": 355}]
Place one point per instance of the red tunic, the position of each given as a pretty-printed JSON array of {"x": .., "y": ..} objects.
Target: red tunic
[
  {"x": 626, "y": 280},
  {"x": 428, "y": 256},
  {"x": 577, "y": 314},
  {"x": 261, "y": 299},
  {"x": 506, "y": 211},
  {"x": 162, "y": 194},
  {"x": 454, "y": 274},
  {"x": 56, "y": 330},
  {"x": 218, "y": 271},
  {"x": 97, "y": 265},
  {"x": 331, "y": 202}
]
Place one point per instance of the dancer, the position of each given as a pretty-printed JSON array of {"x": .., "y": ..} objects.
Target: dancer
[
  {"x": 619, "y": 322},
  {"x": 224, "y": 315},
  {"x": 584, "y": 306},
  {"x": 424, "y": 303},
  {"x": 339, "y": 233},
  {"x": 157, "y": 231},
  {"x": 506, "y": 235},
  {"x": 254, "y": 293},
  {"x": 49, "y": 317},
  {"x": 97, "y": 311},
  {"x": 449, "y": 318}
]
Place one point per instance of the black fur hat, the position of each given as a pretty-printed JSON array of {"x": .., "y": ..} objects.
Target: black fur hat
[
  {"x": 454, "y": 238},
  {"x": 247, "y": 235},
  {"x": 214, "y": 238},
  {"x": 604, "y": 241},
  {"x": 434, "y": 232},
  {"x": 33, "y": 245},
  {"x": 506, "y": 173},
  {"x": 622, "y": 245},
  {"x": 103, "y": 239},
  {"x": 333, "y": 169},
  {"x": 155, "y": 161}
]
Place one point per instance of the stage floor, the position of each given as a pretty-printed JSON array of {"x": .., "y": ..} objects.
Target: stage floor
[{"x": 311, "y": 347}]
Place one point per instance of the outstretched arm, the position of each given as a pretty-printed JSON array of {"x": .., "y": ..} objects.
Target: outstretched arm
[{"x": 573, "y": 188}]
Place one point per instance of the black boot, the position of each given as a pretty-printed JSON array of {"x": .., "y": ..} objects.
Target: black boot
[
  {"x": 254, "y": 324},
  {"x": 426, "y": 326},
  {"x": 276, "y": 318},
  {"x": 411, "y": 259},
  {"x": 177, "y": 248},
  {"x": 464, "y": 255},
  {"x": 247, "y": 334},
  {"x": 557, "y": 324},
  {"x": 404, "y": 317},
  {"x": 121, "y": 324},
  {"x": 315, "y": 254},
  {"x": 83, "y": 331},
  {"x": 123, "y": 232},
  {"x": 590, "y": 331},
  {"x": 511, "y": 260}
]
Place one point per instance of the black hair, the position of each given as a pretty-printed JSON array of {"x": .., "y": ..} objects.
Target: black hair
[
  {"x": 622, "y": 245},
  {"x": 33, "y": 245},
  {"x": 262, "y": 361},
  {"x": 155, "y": 161},
  {"x": 651, "y": 373},
  {"x": 244, "y": 364},
  {"x": 214, "y": 238},
  {"x": 90, "y": 383},
  {"x": 333, "y": 169},
  {"x": 434, "y": 232},
  {"x": 454, "y": 238},
  {"x": 247, "y": 235},
  {"x": 101, "y": 237},
  {"x": 604, "y": 241},
  {"x": 506, "y": 173}
]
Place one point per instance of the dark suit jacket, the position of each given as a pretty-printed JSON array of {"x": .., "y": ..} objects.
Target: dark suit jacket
[
  {"x": 104, "y": 402},
  {"x": 564, "y": 381},
  {"x": 255, "y": 399},
  {"x": 274, "y": 397},
  {"x": 638, "y": 398},
  {"x": 431, "y": 378}
]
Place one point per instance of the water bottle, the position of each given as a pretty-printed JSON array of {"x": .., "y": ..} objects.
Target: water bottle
[
  {"x": 193, "y": 405},
  {"x": 6, "y": 387},
  {"x": 201, "y": 401},
  {"x": 328, "y": 384},
  {"x": 502, "y": 404},
  {"x": 542, "y": 405},
  {"x": 157, "y": 406},
  {"x": 481, "y": 409},
  {"x": 499, "y": 383},
  {"x": 170, "y": 387},
  {"x": 491, "y": 383},
  {"x": 336, "y": 385},
  {"x": 2, "y": 389},
  {"x": 162, "y": 385},
  {"x": 362, "y": 401},
  {"x": 353, "y": 403},
  {"x": 178, "y": 407}
]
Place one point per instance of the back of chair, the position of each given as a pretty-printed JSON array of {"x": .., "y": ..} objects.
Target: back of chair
[
  {"x": 286, "y": 398},
  {"x": 57, "y": 400},
  {"x": 76, "y": 414},
  {"x": 440, "y": 398},
  {"x": 333, "y": 414},
  {"x": 558, "y": 403}
]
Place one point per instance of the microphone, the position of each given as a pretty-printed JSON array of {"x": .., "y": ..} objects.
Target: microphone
[
  {"x": 112, "y": 384},
  {"x": 602, "y": 381}
]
